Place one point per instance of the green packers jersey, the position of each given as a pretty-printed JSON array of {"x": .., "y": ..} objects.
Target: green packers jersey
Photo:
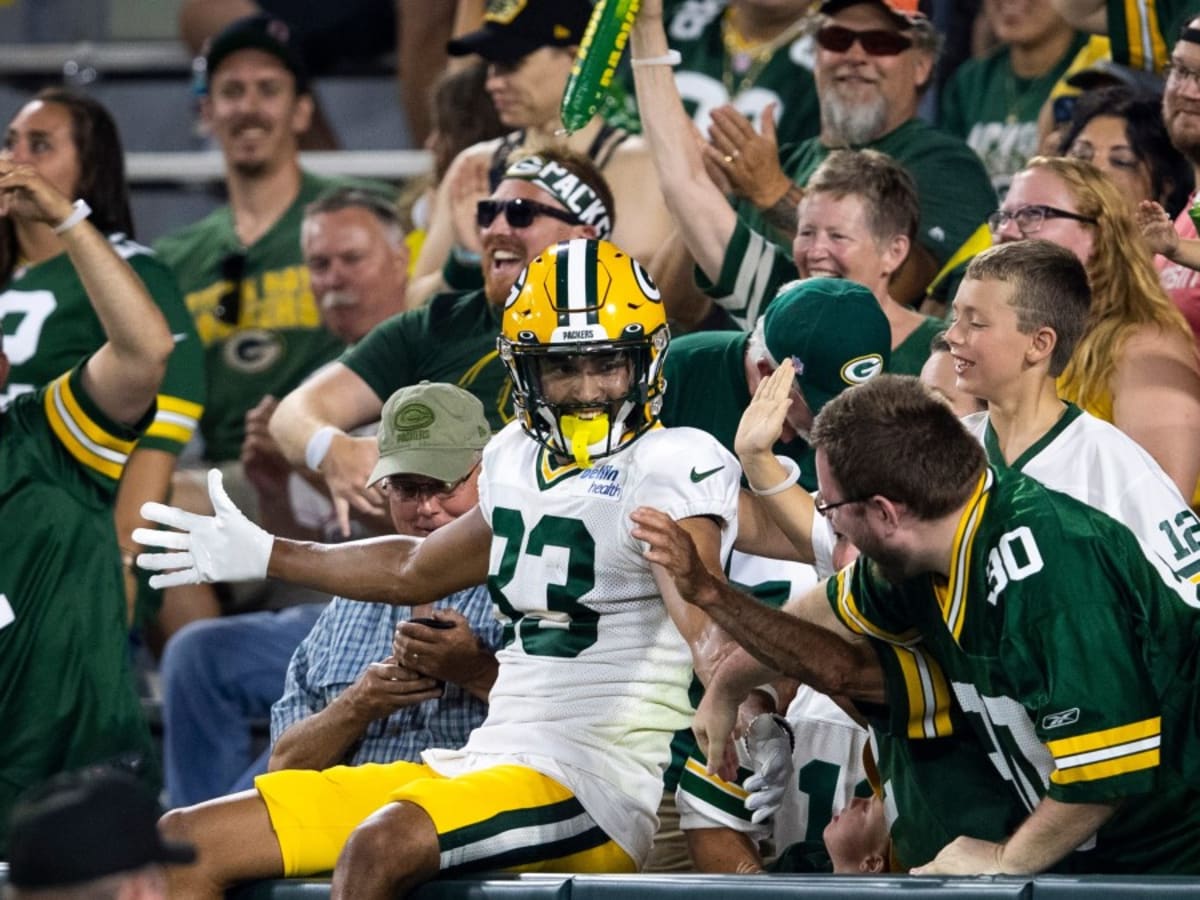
[
  {"x": 707, "y": 389},
  {"x": 49, "y": 325},
  {"x": 937, "y": 780},
  {"x": 953, "y": 222},
  {"x": 452, "y": 338},
  {"x": 1072, "y": 655},
  {"x": 277, "y": 339},
  {"x": 708, "y": 77},
  {"x": 1144, "y": 31},
  {"x": 67, "y": 698},
  {"x": 996, "y": 113}
]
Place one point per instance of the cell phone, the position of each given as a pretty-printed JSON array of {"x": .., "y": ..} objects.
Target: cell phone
[{"x": 430, "y": 622}]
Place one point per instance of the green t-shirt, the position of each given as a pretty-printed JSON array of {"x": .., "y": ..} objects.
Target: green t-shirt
[
  {"x": 953, "y": 188},
  {"x": 1072, "y": 655},
  {"x": 49, "y": 325},
  {"x": 707, "y": 389},
  {"x": 67, "y": 698},
  {"x": 1143, "y": 33},
  {"x": 278, "y": 339},
  {"x": 452, "y": 339},
  {"x": 996, "y": 112}
]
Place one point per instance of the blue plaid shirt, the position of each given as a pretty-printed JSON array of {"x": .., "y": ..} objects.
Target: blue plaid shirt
[{"x": 351, "y": 634}]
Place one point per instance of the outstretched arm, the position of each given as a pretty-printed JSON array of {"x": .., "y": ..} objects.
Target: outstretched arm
[
  {"x": 123, "y": 376},
  {"x": 229, "y": 547},
  {"x": 804, "y": 639},
  {"x": 704, "y": 218}
]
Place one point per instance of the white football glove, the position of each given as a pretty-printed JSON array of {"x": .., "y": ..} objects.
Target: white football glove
[
  {"x": 222, "y": 547},
  {"x": 768, "y": 744}
]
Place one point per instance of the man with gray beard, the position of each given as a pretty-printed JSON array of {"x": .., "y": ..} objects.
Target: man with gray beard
[{"x": 875, "y": 58}]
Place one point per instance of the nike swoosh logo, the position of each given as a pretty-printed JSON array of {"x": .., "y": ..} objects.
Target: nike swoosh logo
[
  {"x": 180, "y": 336},
  {"x": 700, "y": 476}
]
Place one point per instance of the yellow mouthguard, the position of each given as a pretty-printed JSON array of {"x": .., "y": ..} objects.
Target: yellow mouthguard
[{"x": 582, "y": 433}]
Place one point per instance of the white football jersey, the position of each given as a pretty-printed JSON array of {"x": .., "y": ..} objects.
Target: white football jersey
[
  {"x": 828, "y": 766},
  {"x": 1100, "y": 465},
  {"x": 594, "y": 676}
]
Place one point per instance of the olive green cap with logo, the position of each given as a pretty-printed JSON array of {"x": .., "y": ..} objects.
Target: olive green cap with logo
[
  {"x": 834, "y": 331},
  {"x": 431, "y": 429}
]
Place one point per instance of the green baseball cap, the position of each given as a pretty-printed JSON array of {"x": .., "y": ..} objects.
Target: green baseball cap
[
  {"x": 835, "y": 332},
  {"x": 430, "y": 429}
]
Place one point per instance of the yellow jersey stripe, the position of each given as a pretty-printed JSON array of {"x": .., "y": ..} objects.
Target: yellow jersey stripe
[
  {"x": 76, "y": 432},
  {"x": 928, "y": 694},
  {"x": 853, "y": 618},
  {"x": 101, "y": 441},
  {"x": 178, "y": 406},
  {"x": 1143, "y": 36},
  {"x": 728, "y": 787},
  {"x": 954, "y": 607},
  {"x": 1109, "y": 737},
  {"x": 170, "y": 431},
  {"x": 1135, "y": 762}
]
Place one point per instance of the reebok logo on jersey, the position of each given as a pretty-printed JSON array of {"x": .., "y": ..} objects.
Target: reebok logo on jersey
[
  {"x": 7, "y": 616},
  {"x": 697, "y": 477},
  {"x": 1059, "y": 719}
]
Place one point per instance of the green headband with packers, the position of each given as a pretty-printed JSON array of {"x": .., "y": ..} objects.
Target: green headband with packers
[{"x": 567, "y": 188}]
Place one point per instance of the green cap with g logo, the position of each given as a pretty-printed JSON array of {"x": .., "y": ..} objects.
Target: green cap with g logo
[
  {"x": 835, "y": 332},
  {"x": 430, "y": 429}
]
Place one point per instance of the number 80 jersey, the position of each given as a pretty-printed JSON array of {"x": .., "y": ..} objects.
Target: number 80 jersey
[{"x": 594, "y": 674}]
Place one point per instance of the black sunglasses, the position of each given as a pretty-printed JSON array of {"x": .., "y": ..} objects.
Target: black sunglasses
[
  {"x": 876, "y": 41},
  {"x": 519, "y": 213},
  {"x": 229, "y": 305}
]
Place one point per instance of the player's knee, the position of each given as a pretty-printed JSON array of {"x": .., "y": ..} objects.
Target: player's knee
[{"x": 372, "y": 845}]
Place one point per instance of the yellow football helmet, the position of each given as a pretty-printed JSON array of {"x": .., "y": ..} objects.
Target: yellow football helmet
[{"x": 584, "y": 297}]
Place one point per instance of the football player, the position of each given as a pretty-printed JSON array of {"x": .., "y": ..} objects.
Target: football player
[{"x": 565, "y": 773}]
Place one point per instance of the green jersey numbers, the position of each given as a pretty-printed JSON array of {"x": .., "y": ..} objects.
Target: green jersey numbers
[
  {"x": 1015, "y": 557},
  {"x": 1183, "y": 533},
  {"x": 567, "y": 627}
]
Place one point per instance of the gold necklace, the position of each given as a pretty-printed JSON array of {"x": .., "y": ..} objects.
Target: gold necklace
[{"x": 745, "y": 60}]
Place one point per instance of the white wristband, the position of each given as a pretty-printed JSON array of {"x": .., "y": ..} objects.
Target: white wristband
[
  {"x": 789, "y": 479},
  {"x": 670, "y": 58},
  {"x": 79, "y": 211},
  {"x": 318, "y": 446}
]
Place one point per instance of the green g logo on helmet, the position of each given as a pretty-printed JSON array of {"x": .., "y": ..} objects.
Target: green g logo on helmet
[{"x": 862, "y": 368}]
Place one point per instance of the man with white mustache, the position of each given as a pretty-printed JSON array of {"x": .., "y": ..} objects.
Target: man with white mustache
[{"x": 551, "y": 196}]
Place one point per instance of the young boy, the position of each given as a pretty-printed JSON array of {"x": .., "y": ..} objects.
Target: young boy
[{"x": 1017, "y": 317}]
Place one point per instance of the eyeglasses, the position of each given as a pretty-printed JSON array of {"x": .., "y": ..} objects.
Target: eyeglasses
[
  {"x": 876, "y": 41},
  {"x": 229, "y": 306},
  {"x": 823, "y": 508},
  {"x": 1177, "y": 73},
  {"x": 414, "y": 488},
  {"x": 519, "y": 213},
  {"x": 1029, "y": 219}
]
